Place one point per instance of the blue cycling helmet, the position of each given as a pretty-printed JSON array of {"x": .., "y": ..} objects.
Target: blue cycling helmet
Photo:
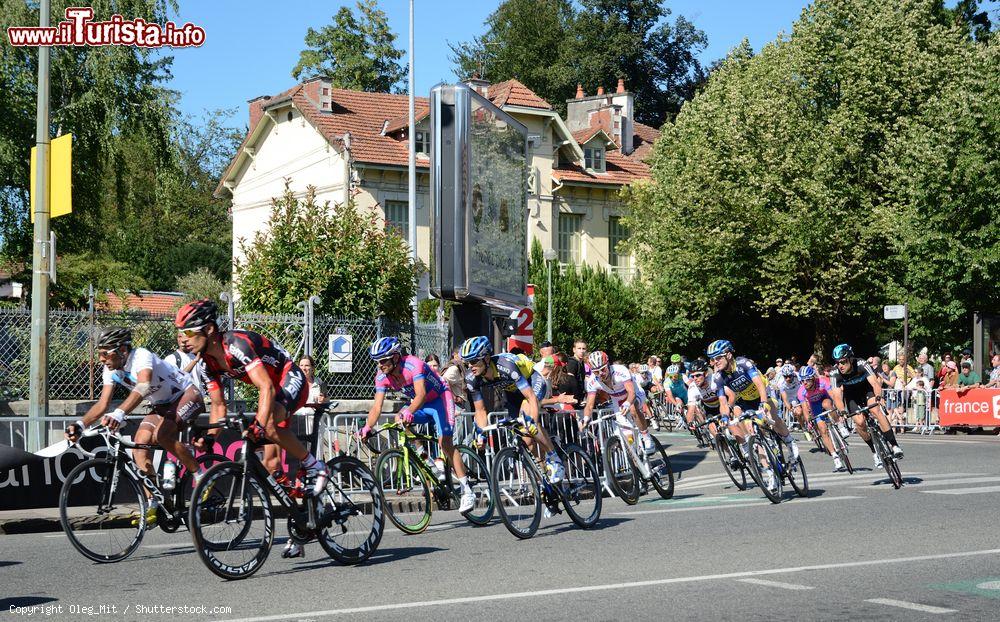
[
  {"x": 475, "y": 348},
  {"x": 787, "y": 370},
  {"x": 384, "y": 348},
  {"x": 842, "y": 351},
  {"x": 718, "y": 348},
  {"x": 807, "y": 373}
]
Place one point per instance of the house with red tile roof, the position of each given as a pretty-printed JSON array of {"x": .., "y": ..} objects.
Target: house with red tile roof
[
  {"x": 154, "y": 303},
  {"x": 352, "y": 145}
]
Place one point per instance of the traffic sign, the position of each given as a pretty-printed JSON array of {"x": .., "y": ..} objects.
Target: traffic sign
[
  {"x": 894, "y": 312},
  {"x": 341, "y": 354}
]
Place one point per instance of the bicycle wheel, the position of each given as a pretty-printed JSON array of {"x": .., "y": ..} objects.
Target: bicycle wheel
[
  {"x": 479, "y": 480},
  {"x": 231, "y": 521},
  {"x": 726, "y": 456},
  {"x": 181, "y": 495},
  {"x": 352, "y": 514},
  {"x": 795, "y": 473},
  {"x": 619, "y": 471},
  {"x": 407, "y": 491},
  {"x": 888, "y": 462},
  {"x": 840, "y": 447},
  {"x": 580, "y": 490},
  {"x": 110, "y": 528},
  {"x": 661, "y": 473},
  {"x": 764, "y": 463},
  {"x": 515, "y": 488}
]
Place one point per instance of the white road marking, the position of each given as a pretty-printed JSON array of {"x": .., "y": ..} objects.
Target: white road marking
[
  {"x": 613, "y": 586},
  {"x": 963, "y": 491},
  {"x": 784, "y": 586},
  {"x": 745, "y": 504},
  {"x": 942, "y": 482},
  {"x": 902, "y": 604}
]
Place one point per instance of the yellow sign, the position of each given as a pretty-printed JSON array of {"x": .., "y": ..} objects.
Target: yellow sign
[{"x": 60, "y": 176}]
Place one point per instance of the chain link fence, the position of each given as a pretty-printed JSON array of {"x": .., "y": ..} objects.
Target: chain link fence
[{"x": 75, "y": 373}]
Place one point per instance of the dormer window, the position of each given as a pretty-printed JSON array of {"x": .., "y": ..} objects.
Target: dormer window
[
  {"x": 423, "y": 143},
  {"x": 594, "y": 158}
]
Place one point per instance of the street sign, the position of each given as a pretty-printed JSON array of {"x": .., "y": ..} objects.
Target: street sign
[
  {"x": 894, "y": 312},
  {"x": 60, "y": 177},
  {"x": 341, "y": 354}
]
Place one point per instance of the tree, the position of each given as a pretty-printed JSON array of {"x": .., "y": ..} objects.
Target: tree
[
  {"x": 551, "y": 45},
  {"x": 356, "y": 51},
  {"x": 844, "y": 167},
  {"x": 199, "y": 285},
  {"x": 345, "y": 257}
]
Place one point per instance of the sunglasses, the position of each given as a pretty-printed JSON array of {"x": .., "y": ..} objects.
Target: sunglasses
[
  {"x": 106, "y": 353},
  {"x": 697, "y": 374},
  {"x": 844, "y": 362},
  {"x": 190, "y": 332},
  {"x": 386, "y": 361},
  {"x": 790, "y": 377}
]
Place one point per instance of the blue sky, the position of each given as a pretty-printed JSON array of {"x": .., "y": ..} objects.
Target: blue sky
[{"x": 251, "y": 46}]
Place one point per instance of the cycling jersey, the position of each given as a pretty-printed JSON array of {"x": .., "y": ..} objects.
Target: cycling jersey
[
  {"x": 706, "y": 396},
  {"x": 244, "y": 351},
  {"x": 678, "y": 388},
  {"x": 620, "y": 376},
  {"x": 411, "y": 370},
  {"x": 740, "y": 381},
  {"x": 816, "y": 396},
  {"x": 166, "y": 386},
  {"x": 854, "y": 383},
  {"x": 640, "y": 392},
  {"x": 511, "y": 371},
  {"x": 789, "y": 389}
]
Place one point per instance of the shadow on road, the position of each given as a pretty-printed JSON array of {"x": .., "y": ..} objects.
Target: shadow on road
[
  {"x": 686, "y": 461},
  {"x": 602, "y": 524},
  {"x": 6, "y": 604},
  {"x": 382, "y": 556},
  {"x": 4, "y": 563}
]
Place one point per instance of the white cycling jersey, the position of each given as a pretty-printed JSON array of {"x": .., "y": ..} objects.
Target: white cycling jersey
[
  {"x": 789, "y": 389},
  {"x": 166, "y": 385},
  {"x": 707, "y": 396},
  {"x": 640, "y": 393},
  {"x": 616, "y": 391}
]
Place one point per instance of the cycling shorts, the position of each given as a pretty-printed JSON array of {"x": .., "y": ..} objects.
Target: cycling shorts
[
  {"x": 817, "y": 407},
  {"x": 440, "y": 412},
  {"x": 292, "y": 391},
  {"x": 188, "y": 406},
  {"x": 856, "y": 396}
]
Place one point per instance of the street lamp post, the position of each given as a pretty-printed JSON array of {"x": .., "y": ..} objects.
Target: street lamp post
[{"x": 550, "y": 256}]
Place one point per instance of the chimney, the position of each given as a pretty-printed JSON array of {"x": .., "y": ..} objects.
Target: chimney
[
  {"x": 621, "y": 86},
  {"x": 626, "y": 104},
  {"x": 579, "y": 91},
  {"x": 319, "y": 90},
  {"x": 257, "y": 109},
  {"x": 478, "y": 85},
  {"x": 600, "y": 90}
]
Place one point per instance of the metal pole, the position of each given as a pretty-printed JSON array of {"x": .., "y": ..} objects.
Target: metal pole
[
  {"x": 231, "y": 315},
  {"x": 906, "y": 340},
  {"x": 90, "y": 311},
  {"x": 412, "y": 202},
  {"x": 548, "y": 313},
  {"x": 39, "y": 384}
]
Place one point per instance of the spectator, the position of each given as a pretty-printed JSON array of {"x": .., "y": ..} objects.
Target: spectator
[
  {"x": 966, "y": 356},
  {"x": 778, "y": 363},
  {"x": 967, "y": 378},
  {"x": 655, "y": 371},
  {"x": 994, "y": 382},
  {"x": 433, "y": 362},
  {"x": 454, "y": 375},
  {"x": 185, "y": 363},
  {"x": 317, "y": 395},
  {"x": 577, "y": 367},
  {"x": 813, "y": 361},
  {"x": 926, "y": 369},
  {"x": 950, "y": 378},
  {"x": 546, "y": 349},
  {"x": 919, "y": 402},
  {"x": 902, "y": 371},
  {"x": 563, "y": 384}
]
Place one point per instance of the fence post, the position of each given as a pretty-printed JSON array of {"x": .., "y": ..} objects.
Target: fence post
[
  {"x": 90, "y": 311},
  {"x": 311, "y": 322},
  {"x": 231, "y": 316}
]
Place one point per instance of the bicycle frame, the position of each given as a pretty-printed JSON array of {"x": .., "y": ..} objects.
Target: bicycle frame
[
  {"x": 404, "y": 437},
  {"x": 638, "y": 458}
]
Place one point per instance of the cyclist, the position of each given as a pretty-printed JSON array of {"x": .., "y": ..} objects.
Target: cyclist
[
  {"x": 702, "y": 396},
  {"x": 430, "y": 401},
  {"x": 252, "y": 358},
  {"x": 616, "y": 381},
  {"x": 786, "y": 387},
  {"x": 815, "y": 392},
  {"x": 174, "y": 402},
  {"x": 741, "y": 388},
  {"x": 675, "y": 388},
  {"x": 523, "y": 386},
  {"x": 855, "y": 385}
]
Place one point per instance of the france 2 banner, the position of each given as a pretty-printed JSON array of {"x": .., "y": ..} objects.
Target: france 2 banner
[{"x": 978, "y": 407}]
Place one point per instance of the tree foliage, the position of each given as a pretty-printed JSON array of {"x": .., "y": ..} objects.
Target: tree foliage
[
  {"x": 849, "y": 165},
  {"x": 357, "y": 51},
  {"x": 551, "y": 45},
  {"x": 346, "y": 257},
  {"x": 200, "y": 284}
]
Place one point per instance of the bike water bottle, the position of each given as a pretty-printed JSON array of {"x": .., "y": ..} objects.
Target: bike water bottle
[{"x": 169, "y": 475}]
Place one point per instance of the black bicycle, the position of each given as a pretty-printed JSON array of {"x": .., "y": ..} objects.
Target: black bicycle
[
  {"x": 232, "y": 520},
  {"x": 730, "y": 453},
  {"x": 103, "y": 503},
  {"x": 881, "y": 444},
  {"x": 768, "y": 461}
]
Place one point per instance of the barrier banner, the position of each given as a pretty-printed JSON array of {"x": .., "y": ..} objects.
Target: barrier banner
[{"x": 977, "y": 407}]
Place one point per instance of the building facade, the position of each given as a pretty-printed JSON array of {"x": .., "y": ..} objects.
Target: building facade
[{"x": 352, "y": 145}]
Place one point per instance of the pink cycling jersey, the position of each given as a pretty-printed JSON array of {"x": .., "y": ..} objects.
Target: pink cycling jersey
[
  {"x": 413, "y": 369},
  {"x": 815, "y": 397}
]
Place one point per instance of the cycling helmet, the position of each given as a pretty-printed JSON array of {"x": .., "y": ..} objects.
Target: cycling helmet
[
  {"x": 475, "y": 348},
  {"x": 807, "y": 373},
  {"x": 673, "y": 370},
  {"x": 196, "y": 314},
  {"x": 115, "y": 337},
  {"x": 598, "y": 360},
  {"x": 787, "y": 370},
  {"x": 718, "y": 348},
  {"x": 699, "y": 365},
  {"x": 384, "y": 348},
  {"x": 675, "y": 358},
  {"x": 842, "y": 351}
]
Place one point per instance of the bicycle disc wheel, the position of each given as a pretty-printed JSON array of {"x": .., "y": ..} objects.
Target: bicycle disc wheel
[
  {"x": 479, "y": 480},
  {"x": 406, "y": 489},
  {"x": 619, "y": 471},
  {"x": 515, "y": 488},
  {"x": 764, "y": 463},
  {"x": 580, "y": 490},
  {"x": 104, "y": 524},
  {"x": 725, "y": 453},
  {"x": 661, "y": 473},
  {"x": 352, "y": 512},
  {"x": 231, "y": 521}
]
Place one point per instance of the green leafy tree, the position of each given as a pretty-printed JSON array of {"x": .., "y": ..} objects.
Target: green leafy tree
[
  {"x": 357, "y": 51},
  {"x": 199, "y": 285},
  {"x": 551, "y": 45},
  {"x": 344, "y": 256}
]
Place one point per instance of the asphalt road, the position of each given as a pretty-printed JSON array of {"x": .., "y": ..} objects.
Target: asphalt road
[{"x": 855, "y": 549}]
